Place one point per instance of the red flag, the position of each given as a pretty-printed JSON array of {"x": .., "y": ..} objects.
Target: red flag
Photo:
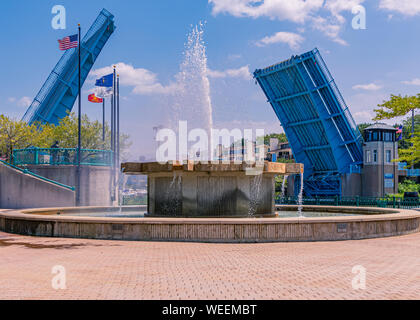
[{"x": 94, "y": 99}]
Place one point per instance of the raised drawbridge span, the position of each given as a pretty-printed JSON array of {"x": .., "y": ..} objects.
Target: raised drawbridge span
[
  {"x": 59, "y": 92},
  {"x": 317, "y": 122}
]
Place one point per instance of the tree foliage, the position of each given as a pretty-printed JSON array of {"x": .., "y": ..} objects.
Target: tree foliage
[
  {"x": 15, "y": 134},
  {"x": 281, "y": 136},
  {"x": 397, "y": 106},
  {"x": 363, "y": 126}
]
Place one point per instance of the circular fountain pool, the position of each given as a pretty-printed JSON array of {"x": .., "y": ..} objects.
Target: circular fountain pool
[{"x": 322, "y": 223}]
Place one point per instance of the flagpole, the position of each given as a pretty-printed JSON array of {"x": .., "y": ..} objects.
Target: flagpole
[
  {"x": 412, "y": 132},
  {"x": 79, "y": 123},
  {"x": 114, "y": 130},
  {"x": 103, "y": 120},
  {"x": 118, "y": 120}
]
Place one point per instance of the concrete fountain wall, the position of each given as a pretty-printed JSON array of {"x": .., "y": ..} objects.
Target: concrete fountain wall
[
  {"x": 367, "y": 223},
  {"x": 210, "y": 189}
]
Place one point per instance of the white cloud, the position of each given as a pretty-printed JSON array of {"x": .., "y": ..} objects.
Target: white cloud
[
  {"x": 406, "y": 7},
  {"x": 292, "y": 39},
  {"x": 328, "y": 28},
  {"x": 336, "y": 7},
  {"x": 292, "y": 10},
  {"x": 242, "y": 72},
  {"x": 142, "y": 80},
  {"x": 22, "y": 102},
  {"x": 369, "y": 87},
  {"x": 325, "y": 16},
  {"x": 363, "y": 116},
  {"x": 146, "y": 82},
  {"x": 414, "y": 82}
]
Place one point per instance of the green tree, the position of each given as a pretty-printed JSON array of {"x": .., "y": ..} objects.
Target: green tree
[
  {"x": 363, "y": 126},
  {"x": 408, "y": 186},
  {"x": 281, "y": 136},
  {"x": 398, "y": 106},
  {"x": 16, "y": 134},
  {"x": 66, "y": 133},
  {"x": 406, "y": 131}
]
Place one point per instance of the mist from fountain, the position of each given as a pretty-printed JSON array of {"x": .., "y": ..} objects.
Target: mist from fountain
[
  {"x": 300, "y": 197},
  {"x": 192, "y": 101},
  {"x": 255, "y": 195},
  {"x": 283, "y": 186},
  {"x": 171, "y": 195}
]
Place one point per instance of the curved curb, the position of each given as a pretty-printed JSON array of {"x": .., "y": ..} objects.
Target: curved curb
[{"x": 44, "y": 222}]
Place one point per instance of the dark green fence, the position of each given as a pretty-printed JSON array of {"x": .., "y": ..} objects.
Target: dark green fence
[
  {"x": 61, "y": 156},
  {"x": 389, "y": 202}
]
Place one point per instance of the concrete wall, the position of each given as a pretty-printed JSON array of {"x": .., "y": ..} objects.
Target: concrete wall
[
  {"x": 368, "y": 223},
  {"x": 373, "y": 174},
  {"x": 95, "y": 184},
  {"x": 199, "y": 194},
  {"x": 19, "y": 190},
  {"x": 351, "y": 185}
]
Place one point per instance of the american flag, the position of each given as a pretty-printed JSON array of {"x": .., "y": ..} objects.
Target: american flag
[{"x": 69, "y": 42}]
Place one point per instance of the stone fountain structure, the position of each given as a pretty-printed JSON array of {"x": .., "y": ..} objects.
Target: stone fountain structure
[{"x": 195, "y": 189}]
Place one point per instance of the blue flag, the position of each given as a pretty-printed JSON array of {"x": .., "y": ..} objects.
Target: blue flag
[
  {"x": 400, "y": 131},
  {"x": 105, "y": 81}
]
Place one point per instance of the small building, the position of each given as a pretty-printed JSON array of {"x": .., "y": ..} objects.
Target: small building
[
  {"x": 279, "y": 150},
  {"x": 380, "y": 172}
]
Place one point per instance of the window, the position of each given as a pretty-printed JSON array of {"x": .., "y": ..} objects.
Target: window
[
  {"x": 368, "y": 159},
  {"x": 388, "y": 136},
  {"x": 388, "y": 156},
  {"x": 375, "y": 156}
]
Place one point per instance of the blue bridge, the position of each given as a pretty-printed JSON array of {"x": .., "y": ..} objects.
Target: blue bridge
[
  {"x": 59, "y": 92},
  {"x": 316, "y": 120}
]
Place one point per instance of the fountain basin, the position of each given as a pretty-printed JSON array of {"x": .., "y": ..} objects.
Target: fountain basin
[
  {"x": 193, "y": 189},
  {"x": 365, "y": 223}
]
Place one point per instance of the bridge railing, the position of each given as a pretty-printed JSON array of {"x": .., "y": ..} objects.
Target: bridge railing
[
  {"x": 61, "y": 156},
  {"x": 386, "y": 202}
]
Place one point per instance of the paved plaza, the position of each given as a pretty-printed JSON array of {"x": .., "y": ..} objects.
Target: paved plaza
[{"x": 98, "y": 269}]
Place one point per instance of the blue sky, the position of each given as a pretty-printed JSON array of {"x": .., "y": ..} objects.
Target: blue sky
[{"x": 240, "y": 35}]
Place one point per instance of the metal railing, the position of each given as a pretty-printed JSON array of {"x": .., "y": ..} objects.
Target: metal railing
[
  {"x": 131, "y": 200},
  {"x": 62, "y": 156},
  {"x": 387, "y": 202}
]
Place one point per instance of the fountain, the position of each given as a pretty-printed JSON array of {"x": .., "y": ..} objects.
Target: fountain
[
  {"x": 210, "y": 202},
  {"x": 201, "y": 189}
]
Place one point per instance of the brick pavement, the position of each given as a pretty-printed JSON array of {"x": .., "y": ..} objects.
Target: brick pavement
[{"x": 99, "y": 269}]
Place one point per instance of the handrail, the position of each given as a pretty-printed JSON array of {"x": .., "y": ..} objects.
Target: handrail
[
  {"x": 390, "y": 201},
  {"x": 62, "y": 156},
  {"x": 26, "y": 171}
]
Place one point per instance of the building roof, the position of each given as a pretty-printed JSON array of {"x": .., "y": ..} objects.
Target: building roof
[{"x": 380, "y": 126}]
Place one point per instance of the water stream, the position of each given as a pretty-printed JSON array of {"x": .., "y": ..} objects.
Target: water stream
[
  {"x": 255, "y": 195},
  {"x": 300, "y": 197},
  {"x": 283, "y": 187},
  {"x": 192, "y": 102}
]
